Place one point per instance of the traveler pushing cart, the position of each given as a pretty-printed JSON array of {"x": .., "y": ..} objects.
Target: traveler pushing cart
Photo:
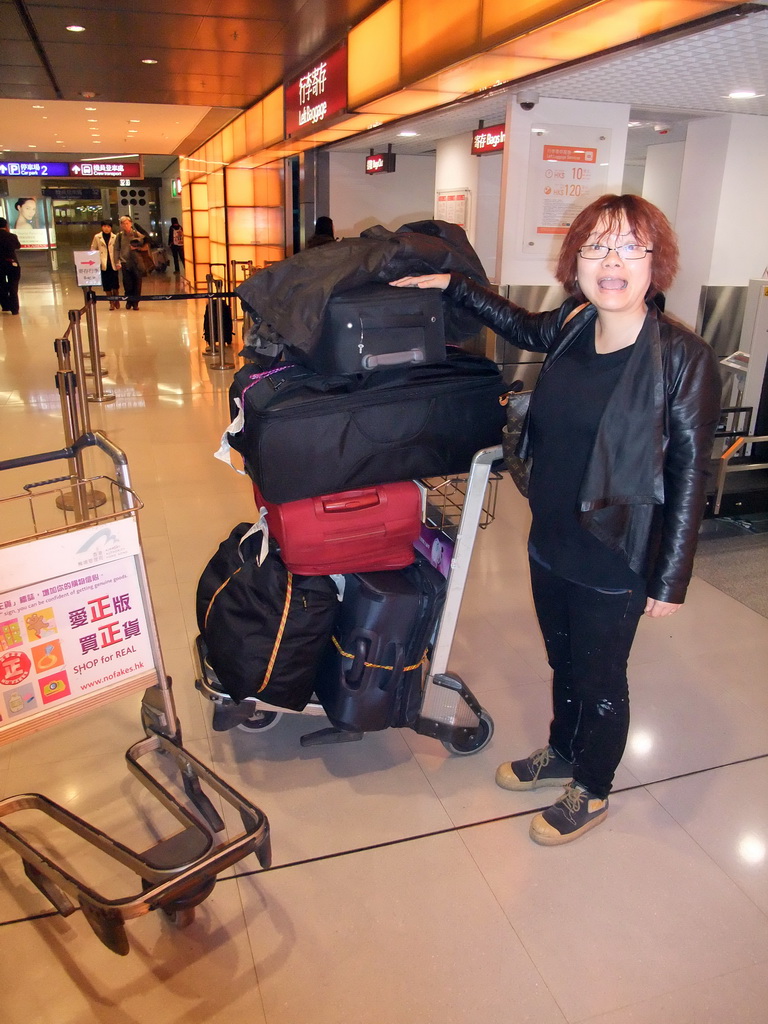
[{"x": 78, "y": 631}]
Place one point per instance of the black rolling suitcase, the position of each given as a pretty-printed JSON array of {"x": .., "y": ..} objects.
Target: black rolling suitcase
[
  {"x": 375, "y": 325},
  {"x": 211, "y": 330},
  {"x": 370, "y": 677}
]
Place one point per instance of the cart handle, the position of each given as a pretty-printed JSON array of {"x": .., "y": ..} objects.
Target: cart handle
[{"x": 92, "y": 439}]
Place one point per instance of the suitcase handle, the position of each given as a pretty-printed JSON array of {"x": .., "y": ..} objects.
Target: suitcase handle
[
  {"x": 354, "y": 675},
  {"x": 411, "y": 355},
  {"x": 366, "y": 499}
]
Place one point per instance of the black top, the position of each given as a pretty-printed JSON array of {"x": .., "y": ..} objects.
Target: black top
[
  {"x": 566, "y": 408},
  {"x": 9, "y": 243}
]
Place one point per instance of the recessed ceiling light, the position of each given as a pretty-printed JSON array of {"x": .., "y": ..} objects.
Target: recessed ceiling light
[
  {"x": 134, "y": 120},
  {"x": 407, "y": 135},
  {"x": 75, "y": 28},
  {"x": 90, "y": 108},
  {"x": 38, "y": 106},
  {"x": 148, "y": 60},
  {"x": 744, "y": 94},
  {"x": 93, "y": 120},
  {"x": 32, "y": 146}
]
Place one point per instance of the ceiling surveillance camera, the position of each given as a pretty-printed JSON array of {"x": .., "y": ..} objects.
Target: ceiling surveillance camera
[
  {"x": 527, "y": 100},
  {"x": 661, "y": 129}
]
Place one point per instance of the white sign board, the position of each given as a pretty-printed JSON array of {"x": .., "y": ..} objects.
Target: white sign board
[
  {"x": 452, "y": 205},
  {"x": 74, "y": 627},
  {"x": 88, "y": 267},
  {"x": 567, "y": 170}
]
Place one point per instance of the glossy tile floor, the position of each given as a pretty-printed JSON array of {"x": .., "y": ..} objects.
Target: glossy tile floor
[{"x": 405, "y": 889}]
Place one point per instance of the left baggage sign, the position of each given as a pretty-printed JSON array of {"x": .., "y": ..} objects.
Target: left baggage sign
[{"x": 88, "y": 268}]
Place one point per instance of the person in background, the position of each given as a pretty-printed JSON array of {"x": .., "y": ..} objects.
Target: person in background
[
  {"x": 176, "y": 243},
  {"x": 103, "y": 242},
  {"x": 619, "y": 431},
  {"x": 10, "y": 271},
  {"x": 134, "y": 269},
  {"x": 323, "y": 233},
  {"x": 26, "y": 210},
  {"x": 122, "y": 251}
]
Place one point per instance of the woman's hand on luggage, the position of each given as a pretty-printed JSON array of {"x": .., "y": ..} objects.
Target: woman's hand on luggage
[
  {"x": 440, "y": 281},
  {"x": 658, "y": 609}
]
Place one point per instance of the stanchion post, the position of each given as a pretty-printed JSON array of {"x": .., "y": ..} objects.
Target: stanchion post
[
  {"x": 66, "y": 385},
  {"x": 223, "y": 364},
  {"x": 80, "y": 371},
  {"x": 93, "y": 346}
]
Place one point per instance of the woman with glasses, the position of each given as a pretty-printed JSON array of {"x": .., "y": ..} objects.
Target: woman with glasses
[{"x": 619, "y": 433}]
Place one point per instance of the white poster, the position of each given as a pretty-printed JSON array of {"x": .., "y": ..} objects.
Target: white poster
[
  {"x": 74, "y": 623},
  {"x": 567, "y": 170},
  {"x": 452, "y": 206}
]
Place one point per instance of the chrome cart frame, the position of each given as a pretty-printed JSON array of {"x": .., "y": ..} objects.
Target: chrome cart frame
[
  {"x": 457, "y": 507},
  {"x": 178, "y": 872}
]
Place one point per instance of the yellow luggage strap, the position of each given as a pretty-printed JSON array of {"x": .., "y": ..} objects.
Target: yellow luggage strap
[{"x": 389, "y": 668}]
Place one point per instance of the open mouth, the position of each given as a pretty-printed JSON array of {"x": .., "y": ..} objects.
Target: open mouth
[{"x": 612, "y": 283}]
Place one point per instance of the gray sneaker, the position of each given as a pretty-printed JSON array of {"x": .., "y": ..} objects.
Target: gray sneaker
[
  {"x": 576, "y": 812},
  {"x": 544, "y": 767}
]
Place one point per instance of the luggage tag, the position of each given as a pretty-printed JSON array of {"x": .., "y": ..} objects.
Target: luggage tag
[{"x": 258, "y": 527}]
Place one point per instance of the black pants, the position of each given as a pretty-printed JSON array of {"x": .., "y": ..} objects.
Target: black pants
[
  {"x": 588, "y": 635},
  {"x": 177, "y": 251},
  {"x": 132, "y": 288},
  {"x": 10, "y": 275}
]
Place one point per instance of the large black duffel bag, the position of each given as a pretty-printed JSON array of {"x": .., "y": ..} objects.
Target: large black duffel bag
[
  {"x": 265, "y": 628},
  {"x": 302, "y": 434}
]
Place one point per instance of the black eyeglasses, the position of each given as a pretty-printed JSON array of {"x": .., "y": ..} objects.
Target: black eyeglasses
[{"x": 630, "y": 251}]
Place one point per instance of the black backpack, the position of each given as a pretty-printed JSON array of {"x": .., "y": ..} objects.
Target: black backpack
[{"x": 265, "y": 628}]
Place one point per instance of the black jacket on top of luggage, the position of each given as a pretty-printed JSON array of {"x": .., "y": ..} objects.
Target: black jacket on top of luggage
[
  {"x": 375, "y": 326},
  {"x": 303, "y": 434},
  {"x": 371, "y": 674},
  {"x": 265, "y": 628},
  {"x": 287, "y": 300}
]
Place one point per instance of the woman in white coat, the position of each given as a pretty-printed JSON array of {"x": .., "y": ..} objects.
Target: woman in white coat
[{"x": 104, "y": 243}]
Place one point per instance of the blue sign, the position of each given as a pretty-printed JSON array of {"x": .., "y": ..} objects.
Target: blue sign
[{"x": 34, "y": 169}]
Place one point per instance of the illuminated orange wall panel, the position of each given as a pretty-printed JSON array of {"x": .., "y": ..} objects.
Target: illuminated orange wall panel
[
  {"x": 273, "y": 117},
  {"x": 240, "y": 186},
  {"x": 373, "y": 55},
  {"x": 254, "y": 128},
  {"x": 434, "y": 36}
]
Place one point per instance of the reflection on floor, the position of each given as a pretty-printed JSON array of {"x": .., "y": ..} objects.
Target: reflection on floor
[{"x": 405, "y": 889}]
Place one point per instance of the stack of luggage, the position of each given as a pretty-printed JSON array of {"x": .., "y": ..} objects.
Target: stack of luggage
[{"x": 337, "y": 602}]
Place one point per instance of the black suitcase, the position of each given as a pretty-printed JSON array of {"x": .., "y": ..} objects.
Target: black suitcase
[
  {"x": 211, "y": 330},
  {"x": 374, "y": 326},
  {"x": 302, "y": 434},
  {"x": 370, "y": 677}
]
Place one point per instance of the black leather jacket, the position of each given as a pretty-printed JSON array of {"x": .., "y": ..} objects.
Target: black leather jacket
[{"x": 643, "y": 491}]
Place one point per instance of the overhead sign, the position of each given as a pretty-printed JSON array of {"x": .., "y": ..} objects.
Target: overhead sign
[
  {"x": 488, "y": 140},
  {"x": 34, "y": 169},
  {"x": 318, "y": 95},
  {"x": 106, "y": 169},
  {"x": 80, "y": 169},
  {"x": 380, "y": 163},
  {"x": 72, "y": 193},
  {"x": 88, "y": 267}
]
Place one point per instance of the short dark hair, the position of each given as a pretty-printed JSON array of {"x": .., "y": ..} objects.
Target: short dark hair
[
  {"x": 3, "y": 222},
  {"x": 106, "y": 223},
  {"x": 648, "y": 224}
]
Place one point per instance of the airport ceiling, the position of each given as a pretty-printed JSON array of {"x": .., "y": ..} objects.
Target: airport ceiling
[{"x": 219, "y": 56}]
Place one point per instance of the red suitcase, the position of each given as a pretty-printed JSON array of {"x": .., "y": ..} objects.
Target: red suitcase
[{"x": 364, "y": 530}]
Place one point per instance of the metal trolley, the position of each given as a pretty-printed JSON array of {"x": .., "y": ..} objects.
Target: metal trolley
[
  {"x": 456, "y": 507},
  {"x": 77, "y": 631}
]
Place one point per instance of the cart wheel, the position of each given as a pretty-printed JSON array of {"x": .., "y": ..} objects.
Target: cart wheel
[
  {"x": 484, "y": 733},
  {"x": 180, "y": 918},
  {"x": 260, "y": 721}
]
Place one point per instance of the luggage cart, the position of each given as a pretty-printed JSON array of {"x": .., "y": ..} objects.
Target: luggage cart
[
  {"x": 456, "y": 507},
  {"x": 78, "y": 631}
]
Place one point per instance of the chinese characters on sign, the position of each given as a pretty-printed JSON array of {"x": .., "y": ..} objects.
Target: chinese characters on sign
[
  {"x": 77, "y": 633},
  {"x": 380, "y": 163},
  {"x": 567, "y": 170},
  {"x": 488, "y": 140},
  {"x": 83, "y": 169},
  {"x": 317, "y": 95}
]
